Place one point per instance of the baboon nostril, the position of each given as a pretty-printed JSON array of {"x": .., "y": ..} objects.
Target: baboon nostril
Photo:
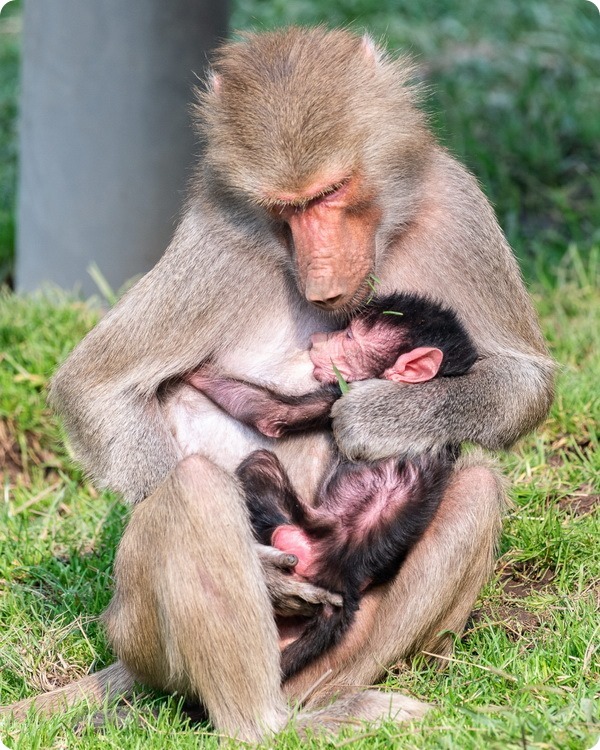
[{"x": 329, "y": 303}]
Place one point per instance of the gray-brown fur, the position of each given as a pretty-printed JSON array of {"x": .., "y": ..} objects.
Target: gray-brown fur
[
  {"x": 228, "y": 279},
  {"x": 112, "y": 682}
]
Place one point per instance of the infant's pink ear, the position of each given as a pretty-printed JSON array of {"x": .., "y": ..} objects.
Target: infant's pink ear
[{"x": 416, "y": 366}]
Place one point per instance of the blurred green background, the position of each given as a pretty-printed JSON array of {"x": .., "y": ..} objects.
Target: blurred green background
[{"x": 513, "y": 92}]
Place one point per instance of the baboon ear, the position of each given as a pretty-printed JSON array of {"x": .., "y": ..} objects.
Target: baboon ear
[
  {"x": 416, "y": 366},
  {"x": 371, "y": 51},
  {"x": 214, "y": 82}
]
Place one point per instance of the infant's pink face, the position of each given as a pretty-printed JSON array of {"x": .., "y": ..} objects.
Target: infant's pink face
[{"x": 357, "y": 353}]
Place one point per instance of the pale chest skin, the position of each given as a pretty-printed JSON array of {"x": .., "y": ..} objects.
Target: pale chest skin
[{"x": 276, "y": 357}]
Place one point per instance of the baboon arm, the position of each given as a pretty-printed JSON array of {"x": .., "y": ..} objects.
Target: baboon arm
[
  {"x": 500, "y": 400},
  {"x": 455, "y": 251},
  {"x": 167, "y": 324}
]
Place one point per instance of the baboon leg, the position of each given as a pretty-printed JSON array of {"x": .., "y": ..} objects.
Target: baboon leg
[
  {"x": 434, "y": 591},
  {"x": 191, "y": 611}
]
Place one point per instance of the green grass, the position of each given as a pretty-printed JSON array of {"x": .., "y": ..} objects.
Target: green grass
[{"x": 526, "y": 673}]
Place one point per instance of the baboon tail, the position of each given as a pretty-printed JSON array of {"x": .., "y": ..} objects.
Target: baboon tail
[{"x": 108, "y": 683}]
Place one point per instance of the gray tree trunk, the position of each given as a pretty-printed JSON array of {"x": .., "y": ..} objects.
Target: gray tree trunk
[{"x": 106, "y": 143}]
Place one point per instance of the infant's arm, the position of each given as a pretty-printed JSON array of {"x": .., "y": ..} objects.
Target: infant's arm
[{"x": 271, "y": 413}]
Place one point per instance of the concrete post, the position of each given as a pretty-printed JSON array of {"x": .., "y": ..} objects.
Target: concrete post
[{"x": 105, "y": 140}]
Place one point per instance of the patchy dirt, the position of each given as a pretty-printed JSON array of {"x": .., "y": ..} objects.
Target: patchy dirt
[
  {"x": 58, "y": 675},
  {"x": 11, "y": 464},
  {"x": 518, "y": 580},
  {"x": 583, "y": 501},
  {"x": 556, "y": 460},
  {"x": 516, "y": 621},
  {"x": 566, "y": 447},
  {"x": 18, "y": 457}
]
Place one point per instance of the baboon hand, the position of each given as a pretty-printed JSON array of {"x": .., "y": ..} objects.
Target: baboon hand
[
  {"x": 379, "y": 419},
  {"x": 291, "y": 596},
  {"x": 276, "y": 558}
]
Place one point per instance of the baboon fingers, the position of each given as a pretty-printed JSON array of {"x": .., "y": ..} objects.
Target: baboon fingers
[
  {"x": 271, "y": 556},
  {"x": 291, "y": 596}
]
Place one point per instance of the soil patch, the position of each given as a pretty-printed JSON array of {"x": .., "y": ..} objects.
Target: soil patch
[
  {"x": 583, "y": 501},
  {"x": 519, "y": 581},
  {"x": 17, "y": 457},
  {"x": 515, "y": 621},
  {"x": 566, "y": 447}
]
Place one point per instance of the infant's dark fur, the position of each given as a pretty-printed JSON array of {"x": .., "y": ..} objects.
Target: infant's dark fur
[{"x": 366, "y": 517}]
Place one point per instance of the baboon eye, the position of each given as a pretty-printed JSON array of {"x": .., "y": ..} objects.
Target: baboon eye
[{"x": 349, "y": 334}]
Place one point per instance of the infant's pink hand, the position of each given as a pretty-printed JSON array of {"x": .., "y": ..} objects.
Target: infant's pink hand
[
  {"x": 324, "y": 375},
  {"x": 321, "y": 370},
  {"x": 271, "y": 427}
]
